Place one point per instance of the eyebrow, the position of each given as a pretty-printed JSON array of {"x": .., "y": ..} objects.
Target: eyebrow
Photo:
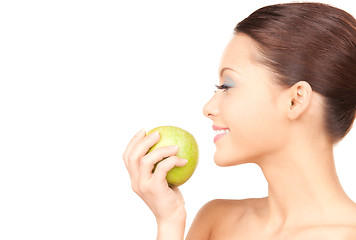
[{"x": 222, "y": 71}]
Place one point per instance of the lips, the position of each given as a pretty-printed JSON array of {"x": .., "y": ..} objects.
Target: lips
[{"x": 220, "y": 132}]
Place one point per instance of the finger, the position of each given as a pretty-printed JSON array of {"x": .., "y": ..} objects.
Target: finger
[
  {"x": 139, "y": 135},
  {"x": 164, "y": 166},
  {"x": 132, "y": 169},
  {"x": 141, "y": 148},
  {"x": 154, "y": 157}
]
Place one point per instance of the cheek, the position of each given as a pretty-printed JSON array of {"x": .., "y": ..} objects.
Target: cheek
[
  {"x": 256, "y": 128},
  {"x": 249, "y": 115}
]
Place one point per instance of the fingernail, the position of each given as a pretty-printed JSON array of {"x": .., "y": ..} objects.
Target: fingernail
[
  {"x": 154, "y": 134},
  {"x": 185, "y": 161},
  {"x": 174, "y": 147}
]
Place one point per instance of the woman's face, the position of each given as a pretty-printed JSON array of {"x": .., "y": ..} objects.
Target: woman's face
[{"x": 247, "y": 107}]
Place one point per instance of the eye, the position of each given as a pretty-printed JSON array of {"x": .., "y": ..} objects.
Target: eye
[{"x": 223, "y": 87}]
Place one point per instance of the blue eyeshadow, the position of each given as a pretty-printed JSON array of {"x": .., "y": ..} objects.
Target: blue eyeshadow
[{"x": 229, "y": 82}]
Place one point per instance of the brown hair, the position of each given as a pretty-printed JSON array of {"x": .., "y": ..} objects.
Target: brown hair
[{"x": 311, "y": 42}]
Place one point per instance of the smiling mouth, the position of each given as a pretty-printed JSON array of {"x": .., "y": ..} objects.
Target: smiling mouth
[{"x": 219, "y": 133}]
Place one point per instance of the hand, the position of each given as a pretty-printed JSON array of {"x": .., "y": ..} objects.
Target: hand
[{"x": 167, "y": 204}]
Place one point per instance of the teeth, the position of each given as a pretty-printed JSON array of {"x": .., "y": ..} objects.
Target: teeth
[{"x": 224, "y": 131}]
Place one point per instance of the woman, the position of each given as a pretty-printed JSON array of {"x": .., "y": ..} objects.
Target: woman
[{"x": 287, "y": 94}]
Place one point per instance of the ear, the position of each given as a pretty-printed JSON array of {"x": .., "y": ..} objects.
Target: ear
[{"x": 300, "y": 97}]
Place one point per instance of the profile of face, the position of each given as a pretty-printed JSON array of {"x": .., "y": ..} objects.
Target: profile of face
[{"x": 248, "y": 105}]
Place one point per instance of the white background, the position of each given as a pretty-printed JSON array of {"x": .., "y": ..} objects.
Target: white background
[{"x": 79, "y": 79}]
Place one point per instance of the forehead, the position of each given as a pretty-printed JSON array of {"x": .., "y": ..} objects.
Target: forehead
[{"x": 239, "y": 53}]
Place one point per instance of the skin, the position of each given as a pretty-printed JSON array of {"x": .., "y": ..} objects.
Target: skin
[{"x": 280, "y": 130}]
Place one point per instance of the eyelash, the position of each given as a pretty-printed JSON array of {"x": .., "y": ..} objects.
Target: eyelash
[{"x": 222, "y": 87}]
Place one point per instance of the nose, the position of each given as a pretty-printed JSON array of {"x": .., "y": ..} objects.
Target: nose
[{"x": 211, "y": 108}]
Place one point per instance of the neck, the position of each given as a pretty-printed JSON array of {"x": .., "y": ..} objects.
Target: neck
[{"x": 303, "y": 185}]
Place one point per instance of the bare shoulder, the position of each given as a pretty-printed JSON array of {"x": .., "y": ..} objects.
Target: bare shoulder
[
  {"x": 221, "y": 215},
  {"x": 342, "y": 227},
  {"x": 348, "y": 232},
  {"x": 328, "y": 232}
]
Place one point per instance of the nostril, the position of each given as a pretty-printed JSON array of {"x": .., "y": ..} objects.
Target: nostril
[
  {"x": 207, "y": 113},
  {"x": 210, "y": 109},
  {"x": 210, "y": 115}
]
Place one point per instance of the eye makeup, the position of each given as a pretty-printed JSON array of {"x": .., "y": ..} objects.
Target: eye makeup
[
  {"x": 222, "y": 87},
  {"x": 227, "y": 84}
]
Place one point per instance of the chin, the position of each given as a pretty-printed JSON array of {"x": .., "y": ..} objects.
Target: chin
[
  {"x": 220, "y": 163},
  {"x": 224, "y": 159}
]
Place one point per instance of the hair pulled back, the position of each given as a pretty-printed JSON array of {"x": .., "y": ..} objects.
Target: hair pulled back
[{"x": 311, "y": 42}]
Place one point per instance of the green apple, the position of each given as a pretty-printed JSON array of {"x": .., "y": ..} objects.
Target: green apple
[{"x": 188, "y": 149}]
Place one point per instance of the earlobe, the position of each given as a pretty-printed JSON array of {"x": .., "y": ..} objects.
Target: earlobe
[{"x": 300, "y": 97}]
